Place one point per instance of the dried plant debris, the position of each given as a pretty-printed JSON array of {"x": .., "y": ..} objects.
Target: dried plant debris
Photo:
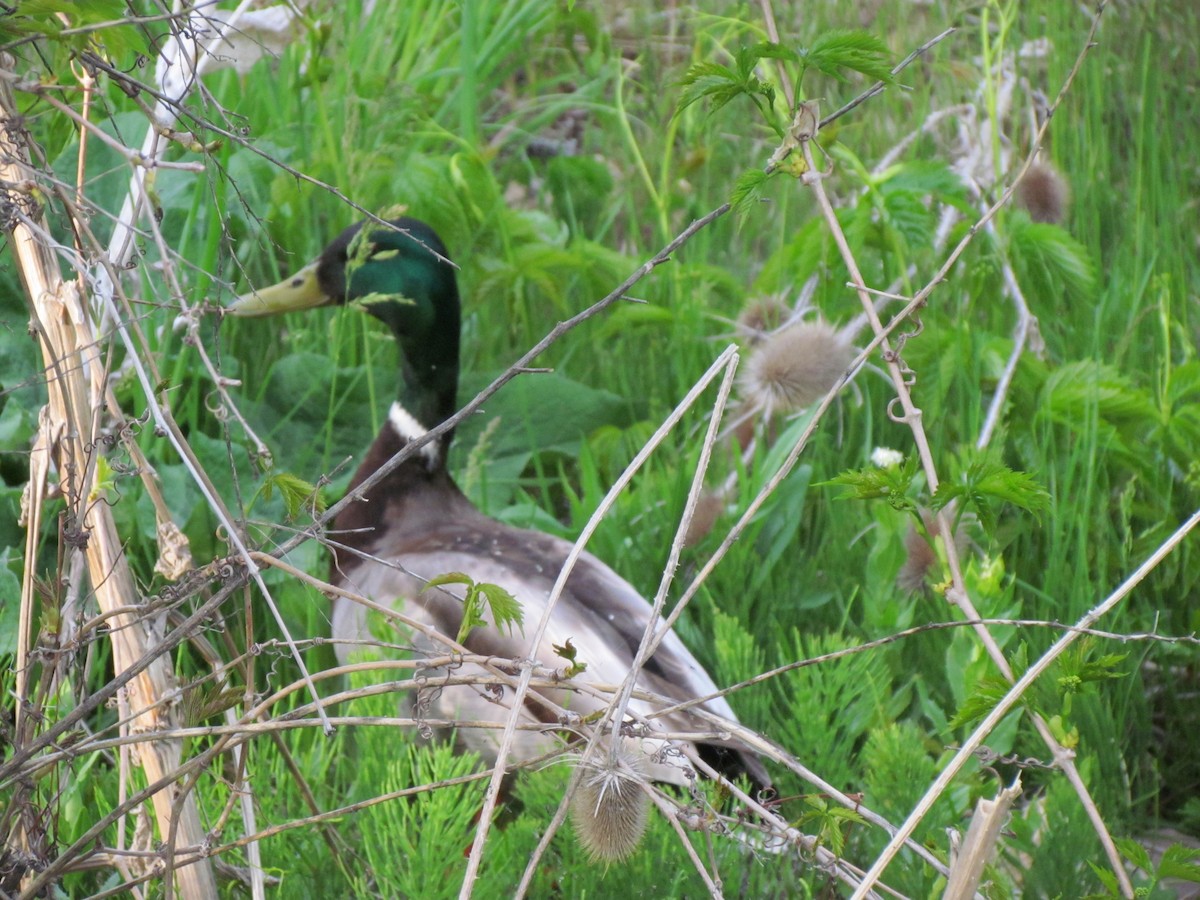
[
  {"x": 1044, "y": 194},
  {"x": 760, "y": 318},
  {"x": 610, "y": 807},
  {"x": 796, "y": 366}
]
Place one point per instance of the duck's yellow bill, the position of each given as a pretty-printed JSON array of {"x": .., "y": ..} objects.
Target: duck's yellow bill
[{"x": 299, "y": 291}]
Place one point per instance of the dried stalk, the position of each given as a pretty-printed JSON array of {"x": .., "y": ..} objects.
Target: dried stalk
[{"x": 75, "y": 381}]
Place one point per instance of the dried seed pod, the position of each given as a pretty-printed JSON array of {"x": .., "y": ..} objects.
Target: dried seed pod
[
  {"x": 760, "y": 317},
  {"x": 610, "y": 806},
  {"x": 920, "y": 558},
  {"x": 709, "y": 506},
  {"x": 1044, "y": 193},
  {"x": 796, "y": 367}
]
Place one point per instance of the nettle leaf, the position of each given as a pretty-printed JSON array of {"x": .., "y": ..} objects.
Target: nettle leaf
[
  {"x": 296, "y": 493},
  {"x": 720, "y": 83},
  {"x": 504, "y": 607},
  {"x": 1078, "y": 667},
  {"x": 981, "y": 701},
  {"x": 911, "y": 193},
  {"x": 835, "y": 52},
  {"x": 1180, "y": 862},
  {"x": 771, "y": 50},
  {"x": 983, "y": 483},
  {"x": 907, "y": 213},
  {"x": 929, "y": 177},
  {"x": 747, "y": 191},
  {"x": 1048, "y": 260},
  {"x": 891, "y": 483},
  {"x": 1135, "y": 853},
  {"x": 708, "y": 79},
  {"x": 450, "y": 578}
]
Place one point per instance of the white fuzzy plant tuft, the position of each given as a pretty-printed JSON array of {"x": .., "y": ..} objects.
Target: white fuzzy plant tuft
[
  {"x": 796, "y": 366},
  {"x": 610, "y": 807}
]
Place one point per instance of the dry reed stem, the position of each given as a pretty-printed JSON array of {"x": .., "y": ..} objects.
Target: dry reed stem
[
  {"x": 723, "y": 363},
  {"x": 966, "y": 867},
  {"x": 75, "y": 385},
  {"x": 912, "y": 417}
]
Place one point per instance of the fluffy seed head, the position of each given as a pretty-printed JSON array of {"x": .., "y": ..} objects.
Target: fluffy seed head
[
  {"x": 796, "y": 367},
  {"x": 709, "y": 507},
  {"x": 1044, "y": 193},
  {"x": 920, "y": 559},
  {"x": 610, "y": 806},
  {"x": 760, "y": 318}
]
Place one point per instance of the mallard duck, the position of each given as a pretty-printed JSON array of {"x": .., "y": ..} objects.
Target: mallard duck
[{"x": 416, "y": 524}]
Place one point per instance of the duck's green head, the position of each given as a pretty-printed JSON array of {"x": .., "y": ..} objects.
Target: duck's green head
[{"x": 402, "y": 276}]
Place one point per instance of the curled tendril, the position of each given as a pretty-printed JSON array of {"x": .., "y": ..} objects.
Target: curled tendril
[{"x": 216, "y": 406}]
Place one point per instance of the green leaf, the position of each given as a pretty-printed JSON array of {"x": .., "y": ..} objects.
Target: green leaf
[
  {"x": 10, "y": 609},
  {"x": 570, "y": 653},
  {"x": 115, "y": 41},
  {"x": 1135, "y": 853},
  {"x": 874, "y": 482},
  {"x": 504, "y": 606},
  {"x": 1048, "y": 261},
  {"x": 1107, "y": 878},
  {"x": 1180, "y": 862},
  {"x": 296, "y": 493},
  {"x": 983, "y": 483},
  {"x": 450, "y": 578},
  {"x": 981, "y": 701},
  {"x": 835, "y": 52},
  {"x": 707, "y": 79},
  {"x": 747, "y": 191},
  {"x": 721, "y": 84},
  {"x": 770, "y": 50}
]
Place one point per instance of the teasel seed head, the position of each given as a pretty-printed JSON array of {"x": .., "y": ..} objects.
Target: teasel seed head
[
  {"x": 920, "y": 558},
  {"x": 610, "y": 806},
  {"x": 1044, "y": 193},
  {"x": 760, "y": 317},
  {"x": 796, "y": 366},
  {"x": 709, "y": 506}
]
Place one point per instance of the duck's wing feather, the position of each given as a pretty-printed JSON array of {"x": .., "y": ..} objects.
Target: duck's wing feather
[{"x": 598, "y": 612}]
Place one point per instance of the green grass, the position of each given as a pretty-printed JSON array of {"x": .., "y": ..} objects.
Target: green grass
[{"x": 433, "y": 106}]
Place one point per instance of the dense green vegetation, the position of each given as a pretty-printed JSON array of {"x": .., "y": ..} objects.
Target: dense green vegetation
[{"x": 546, "y": 144}]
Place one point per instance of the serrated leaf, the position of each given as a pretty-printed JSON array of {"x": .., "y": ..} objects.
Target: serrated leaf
[
  {"x": 1180, "y": 862},
  {"x": 1048, "y": 260},
  {"x": 296, "y": 493},
  {"x": 981, "y": 701},
  {"x": 873, "y": 482},
  {"x": 858, "y": 51},
  {"x": 506, "y": 610},
  {"x": 721, "y": 84},
  {"x": 450, "y": 578},
  {"x": 986, "y": 482},
  {"x": 1107, "y": 878},
  {"x": 707, "y": 79},
  {"x": 747, "y": 191},
  {"x": 1135, "y": 853},
  {"x": 906, "y": 212},
  {"x": 771, "y": 50}
]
